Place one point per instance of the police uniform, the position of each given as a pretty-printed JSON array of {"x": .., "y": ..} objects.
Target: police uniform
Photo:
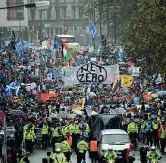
[
  {"x": 132, "y": 130},
  {"x": 155, "y": 127},
  {"x": 66, "y": 149},
  {"x": 54, "y": 135},
  {"x": 59, "y": 158},
  {"x": 82, "y": 147},
  {"x": 29, "y": 137},
  {"x": 110, "y": 155},
  {"x": 44, "y": 133}
]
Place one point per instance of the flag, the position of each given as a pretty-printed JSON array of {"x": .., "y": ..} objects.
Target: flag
[
  {"x": 22, "y": 56},
  {"x": 57, "y": 42},
  {"x": 2, "y": 114},
  {"x": 116, "y": 86},
  {"x": 93, "y": 31},
  {"x": 67, "y": 55},
  {"x": 17, "y": 87},
  {"x": 126, "y": 80},
  {"x": 13, "y": 86},
  {"x": 23, "y": 44},
  {"x": 65, "y": 46}
]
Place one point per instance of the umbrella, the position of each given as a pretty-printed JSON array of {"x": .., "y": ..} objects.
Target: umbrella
[
  {"x": 22, "y": 66},
  {"x": 16, "y": 112},
  {"x": 161, "y": 93}
]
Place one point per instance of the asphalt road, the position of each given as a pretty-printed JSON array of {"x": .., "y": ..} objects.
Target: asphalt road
[{"x": 38, "y": 154}]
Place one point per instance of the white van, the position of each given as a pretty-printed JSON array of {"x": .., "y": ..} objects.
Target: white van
[{"x": 118, "y": 140}]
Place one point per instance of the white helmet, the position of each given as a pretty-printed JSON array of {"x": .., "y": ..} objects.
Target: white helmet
[
  {"x": 57, "y": 150},
  {"x": 153, "y": 148}
]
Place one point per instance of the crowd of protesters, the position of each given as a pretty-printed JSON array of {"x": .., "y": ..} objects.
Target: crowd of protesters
[{"x": 36, "y": 122}]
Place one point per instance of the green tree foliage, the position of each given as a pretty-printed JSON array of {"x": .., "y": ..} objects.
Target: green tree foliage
[
  {"x": 140, "y": 25},
  {"x": 148, "y": 33}
]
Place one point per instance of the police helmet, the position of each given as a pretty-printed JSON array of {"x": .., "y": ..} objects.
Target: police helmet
[
  {"x": 153, "y": 148},
  {"x": 58, "y": 150}
]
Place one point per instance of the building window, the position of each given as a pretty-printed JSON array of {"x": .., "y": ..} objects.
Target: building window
[
  {"x": 81, "y": 12},
  {"x": 64, "y": 12},
  {"x": 44, "y": 15},
  {"x": 57, "y": 13},
  {"x": 74, "y": 11},
  {"x": 56, "y": 1},
  {"x": 15, "y": 13}
]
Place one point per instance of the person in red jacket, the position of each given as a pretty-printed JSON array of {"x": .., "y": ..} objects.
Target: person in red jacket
[{"x": 162, "y": 137}]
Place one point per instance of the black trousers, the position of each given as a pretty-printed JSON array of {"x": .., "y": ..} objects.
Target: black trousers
[
  {"x": 44, "y": 141},
  {"x": 80, "y": 157},
  {"x": 54, "y": 140},
  {"x": 155, "y": 138},
  {"x": 149, "y": 138},
  {"x": 67, "y": 155},
  {"x": 162, "y": 145},
  {"x": 29, "y": 145},
  {"x": 74, "y": 142},
  {"x": 93, "y": 156}
]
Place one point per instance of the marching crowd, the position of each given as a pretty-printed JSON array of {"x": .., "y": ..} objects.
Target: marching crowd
[{"x": 33, "y": 127}]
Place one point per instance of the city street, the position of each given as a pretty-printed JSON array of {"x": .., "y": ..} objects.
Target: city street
[{"x": 37, "y": 155}]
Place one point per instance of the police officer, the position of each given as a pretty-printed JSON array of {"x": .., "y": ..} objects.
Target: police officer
[
  {"x": 153, "y": 154},
  {"x": 58, "y": 156},
  {"x": 66, "y": 149},
  {"x": 155, "y": 128},
  {"x": 48, "y": 157},
  {"x": 74, "y": 129},
  {"x": 29, "y": 137},
  {"x": 143, "y": 125},
  {"x": 54, "y": 135},
  {"x": 82, "y": 147},
  {"x": 44, "y": 133},
  {"x": 25, "y": 159},
  {"x": 110, "y": 155},
  {"x": 132, "y": 130}
]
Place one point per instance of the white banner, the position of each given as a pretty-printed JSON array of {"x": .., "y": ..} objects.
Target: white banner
[{"x": 91, "y": 73}]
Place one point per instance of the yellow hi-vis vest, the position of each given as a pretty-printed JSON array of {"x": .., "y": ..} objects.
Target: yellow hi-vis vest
[
  {"x": 22, "y": 160},
  {"x": 163, "y": 133},
  {"x": 155, "y": 126},
  {"x": 44, "y": 130}
]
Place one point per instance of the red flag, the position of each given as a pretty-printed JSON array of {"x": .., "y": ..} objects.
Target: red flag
[{"x": 65, "y": 46}]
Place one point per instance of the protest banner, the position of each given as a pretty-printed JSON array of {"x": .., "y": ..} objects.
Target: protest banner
[{"x": 109, "y": 74}]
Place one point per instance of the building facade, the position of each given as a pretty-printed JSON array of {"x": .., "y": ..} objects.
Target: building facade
[
  {"x": 13, "y": 19},
  {"x": 62, "y": 17}
]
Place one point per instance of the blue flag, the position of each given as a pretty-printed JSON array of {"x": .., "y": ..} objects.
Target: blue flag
[
  {"x": 13, "y": 86},
  {"x": 57, "y": 42},
  {"x": 93, "y": 31},
  {"x": 22, "y": 56},
  {"x": 23, "y": 44}
]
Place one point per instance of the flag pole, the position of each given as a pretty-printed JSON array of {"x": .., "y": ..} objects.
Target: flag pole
[{"x": 62, "y": 48}]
